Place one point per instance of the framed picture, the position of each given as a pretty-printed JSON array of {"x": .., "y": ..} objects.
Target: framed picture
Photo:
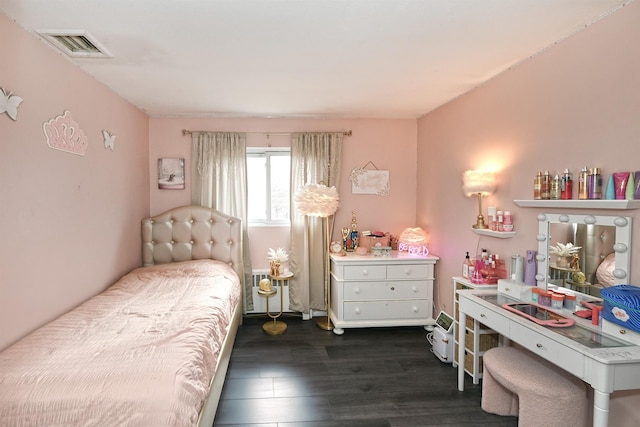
[
  {"x": 365, "y": 181},
  {"x": 171, "y": 174}
]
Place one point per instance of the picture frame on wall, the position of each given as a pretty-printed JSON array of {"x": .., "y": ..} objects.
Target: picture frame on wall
[{"x": 171, "y": 174}]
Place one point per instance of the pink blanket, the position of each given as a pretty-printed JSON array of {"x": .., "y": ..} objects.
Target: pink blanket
[{"x": 140, "y": 354}]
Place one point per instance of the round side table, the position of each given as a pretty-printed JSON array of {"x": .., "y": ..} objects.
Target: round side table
[{"x": 275, "y": 327}]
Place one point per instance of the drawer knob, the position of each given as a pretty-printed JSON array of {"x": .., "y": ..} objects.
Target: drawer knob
[
  {"x": 357, "y": 311},
  {"x": 415, "y": 309},
  {"x": 357, "y": 290},
  {"x": 407, "y": 271},
  {"x": 393, "y": 288},
  {"x": 415, "y": 289},
  {"x": 539, "y": 345},
  {"x": 365, "y": 272},
  {"x": 482, "y": 315}
]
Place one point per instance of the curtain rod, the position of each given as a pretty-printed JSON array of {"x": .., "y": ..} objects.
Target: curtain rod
[{"x": 186, "y": 132}]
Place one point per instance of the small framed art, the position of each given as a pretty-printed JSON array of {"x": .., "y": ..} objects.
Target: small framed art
[{"x": 171, "y": 174}]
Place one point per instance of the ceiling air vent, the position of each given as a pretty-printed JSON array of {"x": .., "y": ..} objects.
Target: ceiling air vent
[{"x": 75, "y": 43}]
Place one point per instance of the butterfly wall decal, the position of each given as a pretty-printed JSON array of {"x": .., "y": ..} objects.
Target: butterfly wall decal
[
  {"x": 109, "y": 139},
  {"x": 9, "y": 104}
]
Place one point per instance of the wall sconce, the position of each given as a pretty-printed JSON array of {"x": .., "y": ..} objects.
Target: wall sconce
[{"x": 478, "y": 183}]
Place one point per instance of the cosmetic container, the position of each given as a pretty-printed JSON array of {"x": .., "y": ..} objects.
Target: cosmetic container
[
  {"x": 545, "y": 187},
  {"x": 610, "y": 192},
  {"x": 555, "y": 188},
  {"x": 570, "y": 300},
  {"x": 507, "y": 221},
  {"x": 535, "y": 294},
  {"x": 594, "y": 184},
  {"x": 631, "y": 187},
  {"x": 583, "y": 177},
  {"x": 492, "y": 214},
  {"x": 566, "y": 189},
  {"x": 537, "y": 186},
  {"x": 620, "y": 181},
  {"x": 466, "y": 267},
  {"x": 557, "y": 301},
  {"x": 544, "y": 298}
]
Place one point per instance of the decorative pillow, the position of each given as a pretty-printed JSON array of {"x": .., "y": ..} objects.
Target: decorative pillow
[{"x": 604, "y": 273}]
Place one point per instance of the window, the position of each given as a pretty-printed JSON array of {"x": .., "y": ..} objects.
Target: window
[{"x": 268, "y": 185}]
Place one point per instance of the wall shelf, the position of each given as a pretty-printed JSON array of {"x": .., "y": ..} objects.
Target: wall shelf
[
  {"x": 491, "y": 233},
  {"x": 580, "y": 204}
]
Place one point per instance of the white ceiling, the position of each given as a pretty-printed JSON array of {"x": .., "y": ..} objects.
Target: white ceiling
[{"x": 306, "y": 58}]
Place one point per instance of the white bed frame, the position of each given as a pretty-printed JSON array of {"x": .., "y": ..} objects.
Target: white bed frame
[{"x": 196, "y": 232}]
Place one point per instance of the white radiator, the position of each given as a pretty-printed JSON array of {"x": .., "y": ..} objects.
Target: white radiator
[{"x": 260, "y": 302}]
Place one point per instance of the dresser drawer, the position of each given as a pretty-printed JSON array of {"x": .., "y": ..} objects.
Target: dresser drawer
[
  {"x": 410, "y": 271},
  {"x": 364, "y": 291},
  {"x": 365, "y": 272},
  {"x": 386, "y": 310},
  {"x": 489, "y": 318},
  {"x": 568, "y": 359}
]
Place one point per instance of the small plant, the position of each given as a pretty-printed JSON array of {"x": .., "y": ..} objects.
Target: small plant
[
  {"x": 564, "y": 249},
  {"x": 279, "y": 255}
]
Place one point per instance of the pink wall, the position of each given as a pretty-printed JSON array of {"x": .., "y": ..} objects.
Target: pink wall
[
  {"x": 577, "y": 104},
  {"x": 389, "y": 144},
  {"x": 70, "y": 224}
]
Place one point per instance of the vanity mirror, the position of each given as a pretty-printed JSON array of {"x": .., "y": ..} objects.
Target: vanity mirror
[{"x": 604, "y": 256}]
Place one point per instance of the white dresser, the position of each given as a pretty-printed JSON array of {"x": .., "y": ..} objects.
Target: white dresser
[{"x": 375, "y": 291}]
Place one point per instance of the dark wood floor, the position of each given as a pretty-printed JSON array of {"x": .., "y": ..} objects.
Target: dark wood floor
[{"x": 378, "y": 377}]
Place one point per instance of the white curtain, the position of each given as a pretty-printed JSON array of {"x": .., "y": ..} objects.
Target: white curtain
[
  {"x": 315, "y": 159},
  {"x": 219, "y": 180}
]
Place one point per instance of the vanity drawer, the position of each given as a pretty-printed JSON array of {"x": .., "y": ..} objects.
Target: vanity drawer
[
  {"x": 362, "y": 291},
  {"x": 489, "y": 318},
  {"x": 568, "y": 359},
  {"x": 365, "y": 272},
  {"x": 387, "y": 310},
  {"x": 410, "y": 271}
]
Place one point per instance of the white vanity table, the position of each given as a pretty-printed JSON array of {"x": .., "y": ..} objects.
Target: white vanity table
[{"x": 601, "y": 360}]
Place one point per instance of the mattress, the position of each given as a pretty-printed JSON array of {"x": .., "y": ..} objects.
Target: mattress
[{"x": 142, "y": 353}]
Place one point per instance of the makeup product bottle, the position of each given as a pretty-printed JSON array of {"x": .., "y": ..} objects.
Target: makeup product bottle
[
  {"x": 466, "y": 267},
  {"x": 555, "y": 188},
  {"x": 500, "y": 222},
  {"x": 566, "y": 191},
  {"x": 610, "y": 192},
  {"x": 507, "y": 221},
  {"x": 545, "y": 187},
  {"x": 631, "y": 187},
  {"x": 537, "y": 186},
  {"x": 492, "y": 213},
  {"x": 583, "y": 177},
  {"x": 595, "y": 184},
  {"x": 637, "y": 182}
]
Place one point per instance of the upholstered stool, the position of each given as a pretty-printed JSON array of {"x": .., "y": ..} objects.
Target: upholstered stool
[{"x": 518, "y": 383}]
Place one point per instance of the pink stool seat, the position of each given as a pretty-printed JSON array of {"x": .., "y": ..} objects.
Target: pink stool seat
[{"x": 518, "y": 383}]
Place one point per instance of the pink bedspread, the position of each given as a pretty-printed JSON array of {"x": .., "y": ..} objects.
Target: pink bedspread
[{"x": 140, "y": 354}]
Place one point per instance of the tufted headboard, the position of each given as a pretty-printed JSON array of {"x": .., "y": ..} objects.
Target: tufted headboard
[{"x": 192, "y": 232}]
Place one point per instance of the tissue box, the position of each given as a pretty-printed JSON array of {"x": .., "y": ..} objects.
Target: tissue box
[
  {"x": 368, "y": 242},
  {"x": 621, "y": 305},
  {"x": 381, "y": 250}
]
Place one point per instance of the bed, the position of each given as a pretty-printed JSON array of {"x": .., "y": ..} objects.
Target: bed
[{"x": 151, "y": 350}]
